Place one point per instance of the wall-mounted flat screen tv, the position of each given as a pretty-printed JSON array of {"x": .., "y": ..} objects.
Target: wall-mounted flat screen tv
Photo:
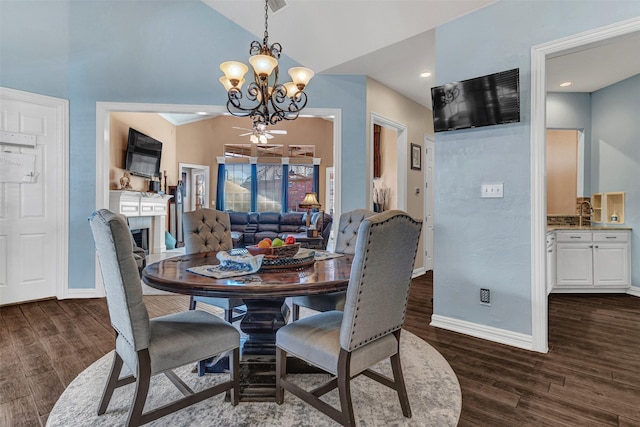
[
  {"x": 143, "y": 155},
  {"x": 488, "y": 100}
]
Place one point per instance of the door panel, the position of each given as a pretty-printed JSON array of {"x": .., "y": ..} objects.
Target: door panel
[{"x": 29, "y": 221}]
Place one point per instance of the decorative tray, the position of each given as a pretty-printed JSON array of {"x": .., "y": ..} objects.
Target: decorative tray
[{"x": 303, "y": 258}]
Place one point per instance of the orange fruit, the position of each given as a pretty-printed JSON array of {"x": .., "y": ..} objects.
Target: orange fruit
[{"x": 264, "y": 244}]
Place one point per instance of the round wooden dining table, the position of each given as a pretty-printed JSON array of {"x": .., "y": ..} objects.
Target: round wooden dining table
[{"x": 263, "y": 293}]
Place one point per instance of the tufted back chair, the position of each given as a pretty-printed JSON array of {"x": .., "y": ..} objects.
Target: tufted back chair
[
  {"x": 345, "y": 344},
  {"x": 348, "y": 230},
  {"x": 345, "y": 244},
  {"x": 207, "y": 230}
]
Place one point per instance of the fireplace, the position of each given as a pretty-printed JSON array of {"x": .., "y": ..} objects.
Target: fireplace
[
  {"x": 141, "y": 237},
  {"x": 146, "y": 214}
]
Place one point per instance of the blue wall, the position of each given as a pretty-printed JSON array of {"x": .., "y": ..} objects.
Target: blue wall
[
  {"x": 486, "y": 243},
  {"x": 572, "y": 110},
  {"x": 147, "y": 52},
  {"x": 616, "y": 153}
]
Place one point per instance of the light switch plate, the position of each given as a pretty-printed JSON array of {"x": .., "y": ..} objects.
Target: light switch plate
[{"x": 492, "y": 190}]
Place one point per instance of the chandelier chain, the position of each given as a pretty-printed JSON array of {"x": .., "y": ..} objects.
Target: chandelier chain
[{"x": 266, "y": 23}]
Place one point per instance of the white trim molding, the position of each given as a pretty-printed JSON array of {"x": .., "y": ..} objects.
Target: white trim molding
[
  {"x": 634, "y": 290},
  {"x": 539, "y": 53},
  {"x": 489, "y": 333}
]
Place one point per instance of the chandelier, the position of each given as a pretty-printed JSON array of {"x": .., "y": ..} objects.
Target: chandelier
[{"x": 268, "y": 101}]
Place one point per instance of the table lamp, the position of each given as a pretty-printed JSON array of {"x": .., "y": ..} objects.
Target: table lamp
[{"x": 310, "y": 202}]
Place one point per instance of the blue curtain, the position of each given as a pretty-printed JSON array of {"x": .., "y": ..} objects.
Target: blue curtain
[
  {"x": 285, "y": 188},
  {"x": 220, "y": 188},
  {"x": 254, "y": 187},
  {"x": 315, "y": 183}
]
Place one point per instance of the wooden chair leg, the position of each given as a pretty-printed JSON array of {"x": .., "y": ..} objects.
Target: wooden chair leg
[
  {"x": 295, "y": 312},
  {"x": 192, "y": 303},
  {"x": 398, "y": 379},
  {"x": 228, "y": 316},
  {"x": 344, "y": 389},
  {"x": 234, "y": 368},
  {"x": 110, "y": 386},
  {"x": 143, "y": 379},
  {"x": 281, "y": 371}
]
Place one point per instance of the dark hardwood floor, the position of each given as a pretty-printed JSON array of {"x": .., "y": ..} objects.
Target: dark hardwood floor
[{"x": 590, "y": 377}]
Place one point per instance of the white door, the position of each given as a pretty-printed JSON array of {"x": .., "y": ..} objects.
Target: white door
[
  {"x": 33, "y": 241},
  {"x": 429, "y": 145}
]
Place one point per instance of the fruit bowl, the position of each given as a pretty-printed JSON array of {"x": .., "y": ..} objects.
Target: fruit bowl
[{"x": 284, "y": 251}]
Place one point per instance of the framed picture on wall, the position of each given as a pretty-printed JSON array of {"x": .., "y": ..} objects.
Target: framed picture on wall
[{"x": 416, "y": 157}]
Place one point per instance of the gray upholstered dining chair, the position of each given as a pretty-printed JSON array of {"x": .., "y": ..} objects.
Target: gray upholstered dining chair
[
  {"x": 207, "y": 230},
  {"x": 151, "y": 346},
  {"x": 346, "y": 344},
  {"x": 345, "y": 244}
]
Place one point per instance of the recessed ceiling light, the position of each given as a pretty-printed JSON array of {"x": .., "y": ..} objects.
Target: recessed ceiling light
[
  {"x": 425, "y": 74},
  {"x": 566, "y": 84}
]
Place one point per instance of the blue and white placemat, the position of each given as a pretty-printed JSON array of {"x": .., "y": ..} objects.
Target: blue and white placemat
[{"x": 230, "y": 266}]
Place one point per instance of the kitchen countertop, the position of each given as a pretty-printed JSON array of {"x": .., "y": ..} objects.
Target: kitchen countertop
[{"x": 586, "y": 227}]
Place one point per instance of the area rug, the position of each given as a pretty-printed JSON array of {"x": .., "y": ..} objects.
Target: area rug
[{"x": 434, "y": 394}]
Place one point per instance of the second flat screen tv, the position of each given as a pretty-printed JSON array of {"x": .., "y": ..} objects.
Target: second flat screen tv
[{"x": 482, "y": 101}]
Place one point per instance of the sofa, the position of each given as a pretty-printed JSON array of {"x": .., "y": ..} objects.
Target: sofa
[{"x": 248, "y": 228}]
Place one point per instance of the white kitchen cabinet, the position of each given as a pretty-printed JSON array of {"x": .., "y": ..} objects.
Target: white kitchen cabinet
[
  {"x": 611, "y": 259},
  {"x": 593, "y": 261},
  {"x": 574, "y": 259}
]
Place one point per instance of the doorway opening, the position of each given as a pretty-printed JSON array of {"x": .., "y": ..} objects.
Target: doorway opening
[
  {"x": 103, "y": 141},
  {"x": 195, "y": 181},
  {"x": 539, "y": 54},
  {"x": 394, "y": 138}
]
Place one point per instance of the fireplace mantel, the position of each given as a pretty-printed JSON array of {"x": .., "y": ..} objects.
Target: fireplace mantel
[{"x": 153, "y": 206}]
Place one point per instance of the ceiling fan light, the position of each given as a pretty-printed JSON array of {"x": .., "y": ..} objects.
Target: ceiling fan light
[
  {"x": 263, "y": 65},
  {"x": 234, "y": 71},
  {"x": 301, "y": 76},
  {"x": 263, "y": 139},
  {"x": 253, "y": 139}
]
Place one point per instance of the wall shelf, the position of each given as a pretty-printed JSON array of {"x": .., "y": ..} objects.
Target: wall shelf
[
  {"x": 614, "y": 204},
  {"x": 596, "y": 206}
]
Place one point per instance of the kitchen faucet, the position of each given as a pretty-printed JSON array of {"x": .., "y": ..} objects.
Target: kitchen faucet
[{"x": 586, "y": 202}]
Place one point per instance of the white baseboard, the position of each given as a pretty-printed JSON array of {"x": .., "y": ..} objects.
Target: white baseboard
[
  {"x": 81, "y": 293},
  {"x": 634, "y": 290},
  {"x": 489, "y": 333},
  {"x": 418, "y": 272}
]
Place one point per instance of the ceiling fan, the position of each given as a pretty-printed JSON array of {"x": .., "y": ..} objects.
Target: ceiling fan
[{"x": 260, "y": 133}]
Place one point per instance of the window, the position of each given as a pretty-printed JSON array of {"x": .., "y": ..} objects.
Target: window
[
  {"x": 300, "y": 182},
  {"x": 237, "y": 187},
  {"x": 269, "y": 150},
  {"x": 237, "y": 150},
  {"x": 269, "y": 187},
  {"x": 266, "y": 193},
  {"x": 302, "y": 151}
]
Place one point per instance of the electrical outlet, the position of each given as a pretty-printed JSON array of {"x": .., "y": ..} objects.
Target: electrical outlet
[
  {"x": 492, "y": 190},
  {"x": 485, "y": 296}
]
